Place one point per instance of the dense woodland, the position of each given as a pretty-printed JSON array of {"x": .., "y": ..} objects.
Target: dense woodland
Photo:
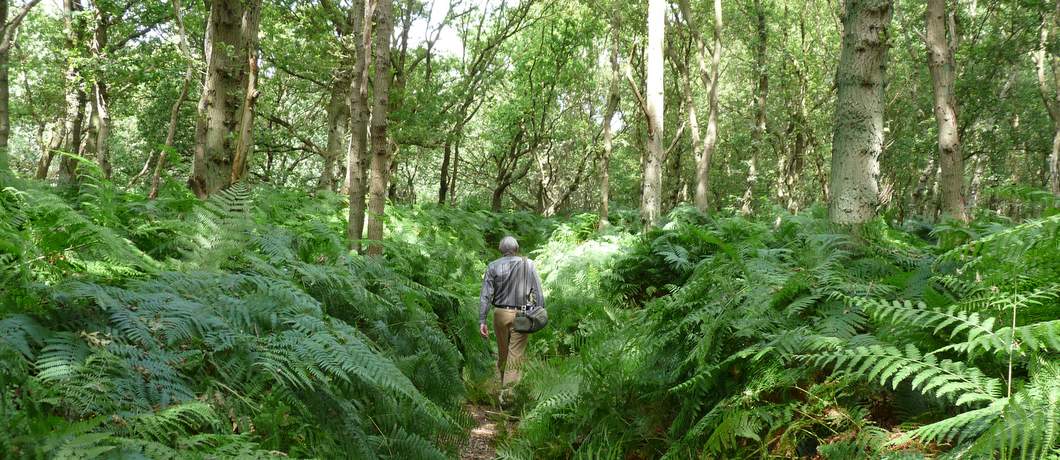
[{"x": 766, "y": 228}]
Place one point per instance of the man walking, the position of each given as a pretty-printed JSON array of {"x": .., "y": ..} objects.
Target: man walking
[{"x": 510, "y": 283}]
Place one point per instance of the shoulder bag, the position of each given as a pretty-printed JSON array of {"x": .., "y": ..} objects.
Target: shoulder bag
[{"x": 530, "y": 317}]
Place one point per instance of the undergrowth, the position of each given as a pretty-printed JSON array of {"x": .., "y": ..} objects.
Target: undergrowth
[
  {"x": 239, "y": 326},
  {"x": 722, "y": 337},
  {"x": 242, "y": 327}
]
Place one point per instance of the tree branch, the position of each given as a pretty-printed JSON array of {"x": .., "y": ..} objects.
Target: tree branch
[{"x": 9, "y": 29}]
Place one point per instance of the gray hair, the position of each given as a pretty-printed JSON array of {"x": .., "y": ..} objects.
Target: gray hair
[{"x": 508, "y": 246}]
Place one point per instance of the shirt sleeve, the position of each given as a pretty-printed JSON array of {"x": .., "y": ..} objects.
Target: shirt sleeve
[
  {"x": 538, "y": 292},
  {"x": 486, "y": 297}
]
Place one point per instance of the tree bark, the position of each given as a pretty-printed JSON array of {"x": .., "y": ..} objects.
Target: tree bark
[
  {"x": 357, "y": 154},
  {"x": 338, "y": 113},
  {"x": 858, "y": 132},
  {"x": 101, "y": 97},
  {"x": 942, "y": 67},
  {"x": 761, "y": 91},
  {"x": 220, "y": 144},
  {"x": 1051, "y": 97},
  {"x": 443, "y": 180},
  {"x": 102, "y": 120},
  {"x": 608, "y": 137},
  {"x": 45, "y": 162},
  {"x": 651, "y": 192},
  {"x": 75, "y": 93},
  {"x": 710, "y": 77},
  {"x": 245, "y": 135},
  {"x": 384, "y": 27}
]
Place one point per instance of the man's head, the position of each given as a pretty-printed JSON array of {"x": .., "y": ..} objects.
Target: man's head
[{"x": 509, "y": 246}]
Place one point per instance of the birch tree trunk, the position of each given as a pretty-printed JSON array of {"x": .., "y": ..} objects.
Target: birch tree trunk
[
  {"x": 651, "y": 192},
  {"x": 857, "y": 139},
  {"x": 608, "y": 137},
  {"x": 942, "y": 67},
  {"x": 357, "y": 155},
  {"x": 380, "y": 157}
]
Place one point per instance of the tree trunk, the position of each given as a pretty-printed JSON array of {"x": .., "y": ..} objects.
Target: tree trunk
[
  {"x": 443, "y": 181},
  {"x": 5, "y": 92},
  {"x": 942, "y": 67},
  {"x": 45, "y": 162},
  {"x": 357, "y": 155},
  {"x": 497, "y": 199},
  {"x": 102, "y": 120},
  {"x": 651, "y": 195},
  {"x": 758, "y": 133},
  {"x": 101, "y": 98},
  {"x": 245, "y": 121},
  {"x": 456, "y": 171},
  {"x": 1051, "y": 97},
  {"x": 220, "y": 146},
  {"x": 977, "y": 182},
  {"x": 609, "y": 114},
  {"x": 384, "y": 27},
  {"x": 338, "y": 111},
  {"x": 75, "y": 93},
  {"x": 858, "y": 133},
  {"x": 710, "y": 77}
]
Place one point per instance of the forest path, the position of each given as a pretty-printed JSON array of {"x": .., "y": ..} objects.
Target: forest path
[{"x": 480, "y": 442}]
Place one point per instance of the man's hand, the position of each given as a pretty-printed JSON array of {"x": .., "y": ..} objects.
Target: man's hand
[{"x": 483, "y": 331}]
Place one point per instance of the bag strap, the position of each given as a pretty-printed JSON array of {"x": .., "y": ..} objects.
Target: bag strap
[{"x": 531, "y": 298}]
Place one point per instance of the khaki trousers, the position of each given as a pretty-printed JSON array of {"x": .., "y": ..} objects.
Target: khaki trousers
[{"x": 510, "y": 345}]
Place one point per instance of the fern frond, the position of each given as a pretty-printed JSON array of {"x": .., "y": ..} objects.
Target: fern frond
[{"x": 889, "y": 365}]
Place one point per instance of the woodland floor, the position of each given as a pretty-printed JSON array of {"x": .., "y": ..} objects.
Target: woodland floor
[{"x": 480, "y": 442}]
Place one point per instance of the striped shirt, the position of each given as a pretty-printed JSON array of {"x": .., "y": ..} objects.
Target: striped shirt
[{"x": 507, "y": 283}]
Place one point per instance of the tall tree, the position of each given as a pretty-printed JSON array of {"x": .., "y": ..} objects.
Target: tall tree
[
  {"x": 761, "y": 95},
  {"x": 609, "y": 114},
  {"x": 357, "y": 154},
  {"x": 226, "y": 108},
  {"x": 75, "y": 91},
  {"x": 651, "y": 191},
  {"x": 8, "y": 27},
  {"x": 857, "y": 139},
  {"x": 710, "y": 75},
  {"x": 1051, "y": 96},
  {"x": 99, "y": 135},
  {"x": 338, "y": 106},
  {"x": 380, "y": 155},
  {"x": 941, "y": 64}
]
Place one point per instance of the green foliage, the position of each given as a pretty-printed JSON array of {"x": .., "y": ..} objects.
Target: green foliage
[
  {"x": 742, "y": 340},
  {"x": 248, "y": 330}
]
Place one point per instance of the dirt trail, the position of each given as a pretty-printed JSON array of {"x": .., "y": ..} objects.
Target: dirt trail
[{"x": 480, "y": 441}]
